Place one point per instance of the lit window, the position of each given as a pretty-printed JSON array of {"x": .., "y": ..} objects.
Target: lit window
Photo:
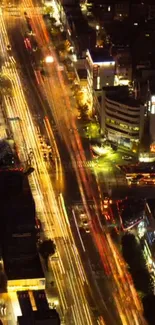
[{"x": 98, "y": 82}]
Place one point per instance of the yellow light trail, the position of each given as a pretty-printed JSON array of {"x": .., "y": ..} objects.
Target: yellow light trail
[{"x": 67, "y": 273}]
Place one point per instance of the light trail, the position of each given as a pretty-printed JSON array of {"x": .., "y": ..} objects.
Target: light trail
[
  {"x": 67, "y": 272},
  {"x": 77, "y": 228},
  {"x": 56, "y": 89}
]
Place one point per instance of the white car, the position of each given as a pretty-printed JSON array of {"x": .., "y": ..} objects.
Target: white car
[{"x": 126, "y": 157}]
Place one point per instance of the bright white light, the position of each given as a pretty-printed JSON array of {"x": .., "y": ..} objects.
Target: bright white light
[
  {"x": 153, "y": 99},
  {"x": 141, "y": 229},
  {"x": 56, "y": 302},
  {"x": 105, "y": 63},
  {"x": 49, "y": 59},
  {"x": 100, "y": 150},
  {"x": 97, "y": 27},
  {"x": 98, "y": 82}
]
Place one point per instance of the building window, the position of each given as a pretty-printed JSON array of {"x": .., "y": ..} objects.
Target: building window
[
  {"x": 95, "y": 71},
  {"x": 98, "y": 83}
]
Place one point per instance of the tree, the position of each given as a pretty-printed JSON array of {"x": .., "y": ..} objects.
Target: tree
[
  {"x": 61, "y": 47},
  {"x": 5, "y": 85},
  {"x": 46, "y": 249},
  {"x": 52, "y": 20},
  {"x": 48, "y": 11}
]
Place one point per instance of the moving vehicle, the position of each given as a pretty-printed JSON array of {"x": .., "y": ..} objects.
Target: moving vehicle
[{"x": 126, "y": 157}]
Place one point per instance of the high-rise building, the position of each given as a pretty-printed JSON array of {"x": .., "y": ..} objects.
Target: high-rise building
[
  {"x": 122, "y": 117},
  {"x": 18, "y": 232}
]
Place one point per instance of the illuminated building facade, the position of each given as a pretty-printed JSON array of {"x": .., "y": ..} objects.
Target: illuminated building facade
[
  {"x": 122, "y": 117},
  {"x": 151, "y": 112},
  {"x": 101, "y": 68}
]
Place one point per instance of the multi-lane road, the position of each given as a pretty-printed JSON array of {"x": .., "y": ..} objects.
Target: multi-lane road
[
  {"x": 68, "y": 271},
  {"x": 90, "y": 275}
]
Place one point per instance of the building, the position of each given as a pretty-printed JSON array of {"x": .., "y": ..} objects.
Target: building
[
  {"x": 101, "y": 68},
  {"x": 122, "y": 117},
  {"x": 122, "y": 10},
  {"x": 18, "y": 232},
  {"x": 80, "y": 35},
  {"x": 37, "y": 318},
  {"x": 141, "y": 10},
  {"x": 35, "y": 310},
  {"x": 132, "y": 212}
]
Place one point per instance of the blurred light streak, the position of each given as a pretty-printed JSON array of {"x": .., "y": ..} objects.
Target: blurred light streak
[{"x": 78, "y": 231}]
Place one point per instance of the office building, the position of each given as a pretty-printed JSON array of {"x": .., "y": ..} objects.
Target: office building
[
  {"x": 35, "y": 310},
  {"x": 101, "y": 68},
  {"x": 18, "y": 232},
  {"x": 79, "y": 34},
  {"x": 122, "y": 117},
  {"x": 132, "y": 212}
]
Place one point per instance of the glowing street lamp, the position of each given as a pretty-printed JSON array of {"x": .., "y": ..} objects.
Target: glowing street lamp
[{"x": 49, "y": 59}]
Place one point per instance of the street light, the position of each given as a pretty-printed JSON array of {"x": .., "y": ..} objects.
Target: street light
[
  {"x": 49, "y": 59},
  {"x": 97, "y": 27}
]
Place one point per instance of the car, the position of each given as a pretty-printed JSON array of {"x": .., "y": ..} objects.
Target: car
[
  {"x": 85, "y": 223},
  {"x": 126, "y": 157},
  {"x": 8, "y": 47},
  {"x": 60, "y": 67},
  {"x": 82, "y": 215},
  {"x": 133, "y": 181}
]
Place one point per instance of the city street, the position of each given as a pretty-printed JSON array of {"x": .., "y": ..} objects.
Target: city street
[{"x": 45, "y": 103}]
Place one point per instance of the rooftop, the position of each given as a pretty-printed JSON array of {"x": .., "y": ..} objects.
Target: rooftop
[
  {"x": 17, "y": 204},
  {"x": 23, "y": 268},
  {"x": 100, "y": 55},
  {"x": 11, "y": 182},
  {"x": 49, "y": 318},
  {"x": 132, "y": 211},
  {"x": 121, "y": 95}
]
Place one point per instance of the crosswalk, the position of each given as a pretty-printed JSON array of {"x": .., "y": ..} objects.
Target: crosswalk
[{"x": 78, "y": 164}]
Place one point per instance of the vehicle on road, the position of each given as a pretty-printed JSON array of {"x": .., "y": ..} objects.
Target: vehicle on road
[
  {"x": 133, "y": 181},
  {"x": 127, "y": 157}
]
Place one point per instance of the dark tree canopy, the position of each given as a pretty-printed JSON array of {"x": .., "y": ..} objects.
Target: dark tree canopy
[{"x": 47, "y": 248}]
